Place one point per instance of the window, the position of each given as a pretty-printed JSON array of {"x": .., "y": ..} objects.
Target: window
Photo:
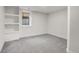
[{"x": 26, "y": 17}]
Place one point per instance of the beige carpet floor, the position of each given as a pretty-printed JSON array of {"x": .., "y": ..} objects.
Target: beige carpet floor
[{"x": 37, "y": 44}]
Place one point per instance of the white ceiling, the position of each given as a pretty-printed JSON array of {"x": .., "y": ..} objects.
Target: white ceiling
[{"x": 45, "y": 9}]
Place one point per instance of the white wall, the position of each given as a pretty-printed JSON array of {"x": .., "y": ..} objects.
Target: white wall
[
  {"x": 39, "y": 25},
  {"x": 1, "y": 28},
  {"x": 74, "y": 30},
  {"x": 54, "y": 23},
  {"x": 57, "y": 24}
]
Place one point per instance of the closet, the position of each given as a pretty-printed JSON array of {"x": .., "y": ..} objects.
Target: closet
[{"x": 15, "y": 18}]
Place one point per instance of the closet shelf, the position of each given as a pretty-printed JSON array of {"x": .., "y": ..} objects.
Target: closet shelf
[
  {"x": 11, "y": 14},
  {"x": 11, "y": 23}
]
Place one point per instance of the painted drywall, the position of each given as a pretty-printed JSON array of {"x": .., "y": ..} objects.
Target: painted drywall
[
  {"x": 74, "y": 30},
  {"x": 57, "y": 23},
  {"x": 1, "y": 28},
  {"x": 54, "y": 23},
  {"x": 39, "y": 25}
]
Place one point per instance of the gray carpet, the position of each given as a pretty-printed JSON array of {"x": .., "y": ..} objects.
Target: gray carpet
[{"x": 37, "y": 44}]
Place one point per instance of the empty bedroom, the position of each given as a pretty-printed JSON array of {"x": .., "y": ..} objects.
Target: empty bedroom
[{"x": 33, "y": 29}]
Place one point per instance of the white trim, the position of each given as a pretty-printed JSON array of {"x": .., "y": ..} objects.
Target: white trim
[
  {"x": 1, "y": 47},
  {"x": 68, "y": 31},
  {"x": 70, "y": 51},
  {"x": 57, "y": 36}
]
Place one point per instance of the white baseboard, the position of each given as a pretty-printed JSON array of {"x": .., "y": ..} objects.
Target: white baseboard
[
  {"x": 69, "y": 51},
  {"x": 57, "y": 36},
  {"x": 32, "y": 35},
  {"x": 1, "y": 47}
]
